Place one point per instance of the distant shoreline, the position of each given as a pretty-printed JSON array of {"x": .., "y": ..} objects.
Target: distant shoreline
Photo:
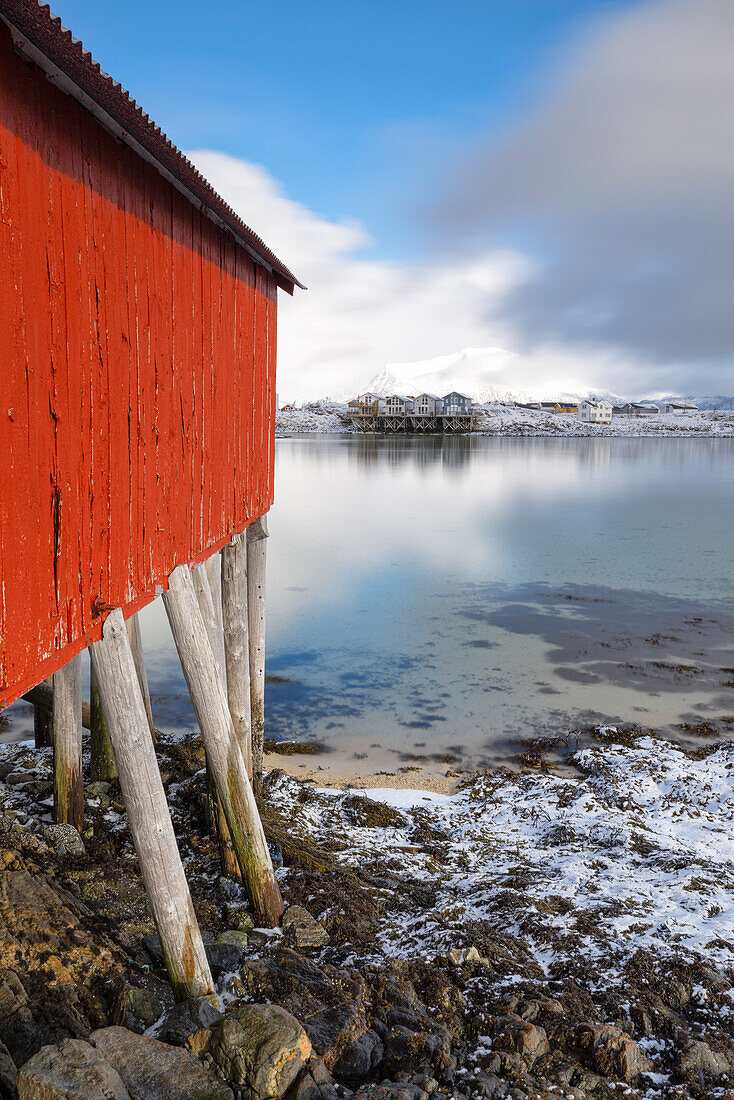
[{"x": 329, "y": 418}]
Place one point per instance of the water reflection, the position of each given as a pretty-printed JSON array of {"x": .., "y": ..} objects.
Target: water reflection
[{"x": 446, "y": 596}]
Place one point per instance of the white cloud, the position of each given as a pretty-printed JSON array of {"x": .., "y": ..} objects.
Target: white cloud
[
  {"x": 623, "y": 174},
  {"x": 361, "y": 313}
]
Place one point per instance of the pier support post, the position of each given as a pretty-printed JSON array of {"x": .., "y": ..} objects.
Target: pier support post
[
  {"x": 236, "y": 642},
  {"x": 103, "y": 765},
  {"x": 43, "y": 725},
  {"x": 136, "y": 645},
  {"x": 67, "y": 724},
  {"x": 213, "y": 625},
  {"x": 147, "y": 812},
  {"x": 257, "y": 535},
  {"x": 222, "y": 748}
]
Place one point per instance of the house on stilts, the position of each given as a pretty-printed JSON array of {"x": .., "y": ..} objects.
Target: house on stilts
[{"x": 138, "y": 342}]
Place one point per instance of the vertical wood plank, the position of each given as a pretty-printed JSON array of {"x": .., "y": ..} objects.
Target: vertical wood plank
[{"x": 257, "y": 540}]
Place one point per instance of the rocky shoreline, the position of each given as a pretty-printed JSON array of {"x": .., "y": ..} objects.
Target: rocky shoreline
[{"x": 531, "y": 936}]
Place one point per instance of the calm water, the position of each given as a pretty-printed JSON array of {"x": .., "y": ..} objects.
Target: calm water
[{"x": 454, "y": 595}]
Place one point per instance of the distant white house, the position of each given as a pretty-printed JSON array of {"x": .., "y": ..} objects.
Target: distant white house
[
  {"x": 367, "y": 404},
  {"x": 679, "y": 407},
  {"x": 427, "y": 404},
  {"x": 638, "y": 408},
  {"x": 398, "y": 405},
  {"x": 455, "y": 404},
  {"x": 595, "y": 412}
]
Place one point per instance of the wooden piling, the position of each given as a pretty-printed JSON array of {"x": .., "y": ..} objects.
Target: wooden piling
[
  {"x": 42, "y": 696},
  {"x": 103, "y": 765},
  {"x": 147, "y": 812},
  {"x": 212, "y": 622},
  {"x": 257, "y": 535},
  {"x": 136, "y": 644},
  {"x": 67, "y": 724},
  {"x": 236, "y": 642},
  {"x": 43, "y": 725},
  {"x": 222, "y": 747}
]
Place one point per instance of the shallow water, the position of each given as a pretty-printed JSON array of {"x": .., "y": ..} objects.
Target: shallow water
[{"x": 450, "y": 596}]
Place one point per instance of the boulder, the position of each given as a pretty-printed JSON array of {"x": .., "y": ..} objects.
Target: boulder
[
  {"x": 333, "y": 1029},
  {"x": 183, "y": 1019},
  {"x": 257, "y": 1047},
  {"x": 135, "y": 1008},
  {"x": 359, "y": 1059},
  {"x": 412, "y": 1052},
  {"x": 305, "y": 931},
  {"x": 611, "y": 1052},
  {"x": 699, "y": 1062},
  {"x": 151, "y": 1070},
  {"x": 65, "y": 840},
  {"x": 73, "y": 1070},
  {"x": 8, "y": 1072},
  {"x": 525, "y": 1039}
]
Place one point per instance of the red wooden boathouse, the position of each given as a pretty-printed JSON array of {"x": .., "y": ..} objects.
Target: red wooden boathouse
[
  {"x": 137, "y": 353},
  {"x": 137, "y": 383}
]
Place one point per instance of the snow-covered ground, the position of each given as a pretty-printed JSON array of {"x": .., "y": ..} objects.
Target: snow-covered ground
[
  {"x": 331, "y": 416},
  {"x": 636, "y": 853}
]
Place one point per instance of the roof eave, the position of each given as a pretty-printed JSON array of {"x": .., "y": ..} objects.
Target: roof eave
[{"x": 58, "y": 76}]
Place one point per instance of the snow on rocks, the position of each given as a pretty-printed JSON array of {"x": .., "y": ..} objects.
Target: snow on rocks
[
  {"x": 496, "y": 419},
  {"x": 636, "y": 853}
]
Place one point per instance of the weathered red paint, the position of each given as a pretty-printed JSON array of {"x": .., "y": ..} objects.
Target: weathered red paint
[{"x": 137, "y": 368}]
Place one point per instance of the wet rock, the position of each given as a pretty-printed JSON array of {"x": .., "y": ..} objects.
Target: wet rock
[
  {"x": 305, "y": 931},
  {"x": 151, "y": 1070},
  {"x": 237, "y": 938},
  {"x": 259, "y": 1047},
  {"x": 181, "y": 1020},
  {"x": 135, "y": 1008},
  {"x": 238, "y": 919},
  {"x": 413, "y": 1052},
  {"x": 525, "y": 1039},
  {"x": 71, "y": 1070},
  {"x": 227, "y": 888},
  {"x": 224, "y": 957},
  {"x": 390, "y": 1090},
  {"x": 333, "y": 1029},
  {"x": 276, "y": 854},
  {"x": 8, "y": 1072},
  {"x": 65, "y": 840},
  {"x": 153, "y": 949},
  {"x": 611, "y": 1052},
  {"x": 359, "y": 1060},
  {"x": 96, "y": 789},
  {"x": 699, "y": 1062},
  {"x": 301, "y": 985},
  {"x": 490, "y": 1086}
]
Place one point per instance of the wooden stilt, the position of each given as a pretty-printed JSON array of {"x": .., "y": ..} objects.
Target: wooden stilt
[
  {"x": 213, "y": 566},
  {"x": 147, "y": 812},
  {"x": 136, "y": 644},
  {"x": 222, "y": 747},
  {"x": 67, "y": 723},
  {"x": 103, "y": 765},
  {"x": 257, "y": 535},
  {"x": 236, "y": 647},
  {"x": 43, "y": 724},
  {"x": 42, "y": 696},
  {"x": 217, "y": 820}
]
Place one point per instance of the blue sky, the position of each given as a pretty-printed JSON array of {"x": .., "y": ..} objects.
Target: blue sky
[
  {"x": 350, "y": 105},
  {"x": 548, "y": 181}
]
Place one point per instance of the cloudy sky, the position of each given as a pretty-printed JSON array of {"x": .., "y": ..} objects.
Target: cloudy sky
[{"x": 553, "y": 178}]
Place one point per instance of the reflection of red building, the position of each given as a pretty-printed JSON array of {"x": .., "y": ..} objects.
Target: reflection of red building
[{"x": 137, "y": 342}]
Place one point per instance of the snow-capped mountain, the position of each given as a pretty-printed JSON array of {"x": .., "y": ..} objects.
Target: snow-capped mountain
[
  {"x": 719, "y": 402},
  {"x": 482, "y": 373}
]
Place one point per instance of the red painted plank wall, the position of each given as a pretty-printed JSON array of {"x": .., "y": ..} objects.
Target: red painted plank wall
[{"x": 137, "y": 371}]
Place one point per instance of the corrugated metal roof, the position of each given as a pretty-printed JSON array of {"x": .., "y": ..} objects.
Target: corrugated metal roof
[{"x": 43, "y": 38}]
